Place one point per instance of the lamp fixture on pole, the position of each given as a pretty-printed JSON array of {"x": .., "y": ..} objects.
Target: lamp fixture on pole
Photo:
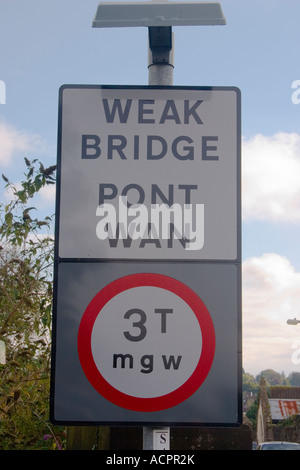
[{"x": 293, "y": 321}]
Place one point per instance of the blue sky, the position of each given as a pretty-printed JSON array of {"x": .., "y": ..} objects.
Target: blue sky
[{"x": 47, "y": 44}]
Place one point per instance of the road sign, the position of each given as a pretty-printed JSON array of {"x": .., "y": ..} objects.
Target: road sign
[
  {"x": 147, "y": 282},
  {"x": 132, "y": 330},
  {"x": 149, "y": 173},
  {"x": 80, "y": 369}
]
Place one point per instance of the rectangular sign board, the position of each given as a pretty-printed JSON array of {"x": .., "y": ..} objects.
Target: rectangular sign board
[
  {"x": 149, "y": 173},
  {"x": 139, "y": 353},
  {"x": 147, "y": 280}
]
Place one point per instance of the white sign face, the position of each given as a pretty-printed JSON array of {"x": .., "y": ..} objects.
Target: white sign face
[
  {"x": 131, "y": 343},
  {"x": 149, "y": 173}
]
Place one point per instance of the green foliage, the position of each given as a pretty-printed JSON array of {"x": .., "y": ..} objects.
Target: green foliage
[
  {"x": 16, "y": 217},
  {"x": 26, "y": 263},
  {"x": 295, "y": 379},
  {"x": 250, "y": 385},
  {"x": 273, "y": 378},
  {"x": 252, "y": 412}
]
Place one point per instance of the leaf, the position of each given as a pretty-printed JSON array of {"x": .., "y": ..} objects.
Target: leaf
[
  {"x": 48, "y": 171},
  {"x": 41, "y": 223},
  {"x": 8, "y": 219},
  {"x": 21, "y": 195},
  {"x": 37, "y": 183}
]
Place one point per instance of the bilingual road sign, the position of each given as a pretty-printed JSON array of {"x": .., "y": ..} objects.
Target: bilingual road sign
[
  {"x": 149, "y": 173},
  {"x": 147, "y": 279}
]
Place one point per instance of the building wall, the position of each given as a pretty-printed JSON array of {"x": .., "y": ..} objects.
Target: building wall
[
  {"x": 286, "y": 429},
  {"x": 264, "y": 421}
]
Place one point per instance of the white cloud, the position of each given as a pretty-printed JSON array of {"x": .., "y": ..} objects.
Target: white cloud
[
  {"x": 271, "y": 295},
  {"x": 13, "y": 141},
  {"x": 271, "y": 169},
  {"x": 47, "y": 194}
]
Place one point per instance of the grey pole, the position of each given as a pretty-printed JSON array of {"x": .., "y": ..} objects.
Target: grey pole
[
  {"x": 160, "y": 56},
  {"x": 160, "y": 72},
  {"x": 147, "y": 438}
]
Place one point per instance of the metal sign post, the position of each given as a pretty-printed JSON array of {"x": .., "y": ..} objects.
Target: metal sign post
[{"x": 161, "y": 65}]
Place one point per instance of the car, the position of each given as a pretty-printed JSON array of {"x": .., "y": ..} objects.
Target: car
[{"x": 278, "y": 445}]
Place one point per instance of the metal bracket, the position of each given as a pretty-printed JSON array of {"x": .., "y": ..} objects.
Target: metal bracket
[{"x": 160, "y": 44}]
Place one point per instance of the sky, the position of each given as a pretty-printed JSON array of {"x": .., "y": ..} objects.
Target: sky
[{"x": 44, "y": 45}]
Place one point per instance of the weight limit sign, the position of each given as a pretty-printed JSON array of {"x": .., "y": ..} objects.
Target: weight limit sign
[{"x": 146, "y": 342}]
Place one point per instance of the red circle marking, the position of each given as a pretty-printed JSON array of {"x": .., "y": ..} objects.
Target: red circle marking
[{"x": 94, "y": 375}]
